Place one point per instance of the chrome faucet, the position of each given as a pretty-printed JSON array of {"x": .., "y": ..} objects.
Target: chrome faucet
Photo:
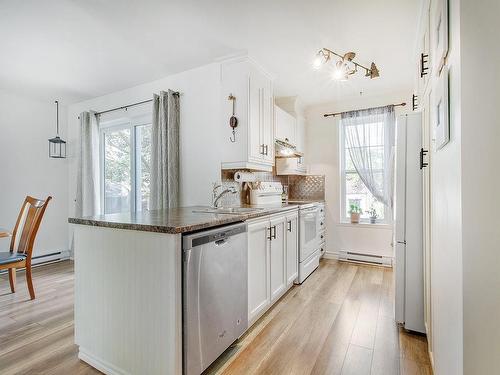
[{"x": 217, "y": 197}]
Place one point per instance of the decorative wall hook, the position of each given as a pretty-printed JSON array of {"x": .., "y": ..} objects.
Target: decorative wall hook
[{"x": 233, "y": 121}]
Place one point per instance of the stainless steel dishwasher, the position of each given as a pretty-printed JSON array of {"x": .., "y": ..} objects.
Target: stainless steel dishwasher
[{"x": 215, "y": 302}]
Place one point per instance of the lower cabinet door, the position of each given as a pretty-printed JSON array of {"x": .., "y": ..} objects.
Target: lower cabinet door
[
  {"x": 278, "y": 277},
  {"x": 292, "y": 248},
  {"x": 259, "y": 297}
]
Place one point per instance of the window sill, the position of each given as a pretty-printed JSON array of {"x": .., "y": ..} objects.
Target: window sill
[{"x": 366, "y": 225}]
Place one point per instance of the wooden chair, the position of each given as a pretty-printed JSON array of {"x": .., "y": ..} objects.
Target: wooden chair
[{"x": 31, "y": 215}]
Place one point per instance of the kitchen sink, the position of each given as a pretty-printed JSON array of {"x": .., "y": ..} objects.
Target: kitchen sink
[{"x": 228, "y": 210}]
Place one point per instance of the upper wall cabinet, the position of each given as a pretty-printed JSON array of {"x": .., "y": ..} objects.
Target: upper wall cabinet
[
  {"x": 285, "y": 126},
  {"x": 252, "y": 87}
]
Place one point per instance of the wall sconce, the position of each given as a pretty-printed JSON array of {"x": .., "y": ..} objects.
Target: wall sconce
[{"x": 345, "y": 65}]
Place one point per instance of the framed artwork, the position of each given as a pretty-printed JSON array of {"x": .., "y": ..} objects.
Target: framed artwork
[
  {"x": 439, "y": 33},
  {"x": 440, "y": 110}
]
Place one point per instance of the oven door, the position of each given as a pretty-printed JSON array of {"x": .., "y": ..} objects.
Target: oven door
[{"x": 308, "y": 233}]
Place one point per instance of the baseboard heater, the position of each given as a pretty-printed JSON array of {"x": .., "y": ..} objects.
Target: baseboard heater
[
  {"x": 47, "y": 258},
  {"x": 379, "y": 260}
]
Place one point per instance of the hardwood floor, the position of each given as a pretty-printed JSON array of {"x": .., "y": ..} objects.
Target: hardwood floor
[{"x": 340, "y": 321}]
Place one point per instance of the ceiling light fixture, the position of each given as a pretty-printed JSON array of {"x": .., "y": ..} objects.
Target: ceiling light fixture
[{"x": 345, "y": 66}]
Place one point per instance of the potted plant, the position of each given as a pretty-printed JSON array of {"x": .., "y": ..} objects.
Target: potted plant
[
  {"x": 355, "y": 212},
  {"x": 373, "y": 215}
]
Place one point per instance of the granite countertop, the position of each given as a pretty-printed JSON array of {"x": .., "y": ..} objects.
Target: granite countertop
[{"x": 175, "y": 220}]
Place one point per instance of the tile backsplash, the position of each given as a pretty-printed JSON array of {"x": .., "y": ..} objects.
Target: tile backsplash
[{"x": 310, "y": 187}]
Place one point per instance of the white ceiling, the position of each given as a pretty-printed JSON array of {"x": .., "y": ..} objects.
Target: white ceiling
[{"x": 74, "y": 49}]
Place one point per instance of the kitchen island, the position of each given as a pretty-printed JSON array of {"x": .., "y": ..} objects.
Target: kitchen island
[{"x": 128, "y": 286}]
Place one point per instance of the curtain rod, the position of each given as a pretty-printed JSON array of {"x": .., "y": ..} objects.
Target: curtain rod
[
  {"x": 129, "y": 105},
  {"x": 339, "y": 113}
]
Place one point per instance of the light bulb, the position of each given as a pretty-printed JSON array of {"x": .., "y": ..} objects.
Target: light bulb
[
  {"x": 338, "y": 74},
  {"x": 318, "y": 61}
]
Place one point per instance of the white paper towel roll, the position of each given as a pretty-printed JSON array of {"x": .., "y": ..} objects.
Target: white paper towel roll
[{"x": 242, "y": 176}]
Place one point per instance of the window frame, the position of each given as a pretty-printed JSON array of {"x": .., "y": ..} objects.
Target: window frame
[
  {"x": 344, "y": 219},
  {"x": 116, "y": 124}
]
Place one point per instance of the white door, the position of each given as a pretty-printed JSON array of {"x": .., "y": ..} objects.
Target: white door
[
  {"x": 414, "y": 288},
  {"x": 259, "y": 297},
  {"x": 426, "y": 181},
  {"x": 267, "y": 128},
  {"x": 278, "y": 277},
  {"x": 255, "y": 144},
  {"x": 292, "y": 248}
]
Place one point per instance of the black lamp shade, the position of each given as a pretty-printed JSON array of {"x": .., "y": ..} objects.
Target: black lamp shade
[{"x": 57, "y": 148}]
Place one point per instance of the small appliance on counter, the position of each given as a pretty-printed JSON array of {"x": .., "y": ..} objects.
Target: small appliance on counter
[{"x": 266, "y": 193}]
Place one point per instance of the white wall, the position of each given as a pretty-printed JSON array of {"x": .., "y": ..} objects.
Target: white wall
[
  {"x": 322, "y": 152},
  {"x": 199, "y": 131},
  {"x": 26, "y": 169},
  {"x": 480, "y": 180}
]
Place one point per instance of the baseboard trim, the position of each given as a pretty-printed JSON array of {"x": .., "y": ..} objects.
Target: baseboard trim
[
  {"x": 99, "y": 364},
  {"x": 331, "y": 255}
]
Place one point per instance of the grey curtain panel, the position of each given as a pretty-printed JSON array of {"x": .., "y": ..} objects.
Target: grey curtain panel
[
  {"x": 165, "y": 151},
  {"x": 370, "y": 139},
  {"x": 87, "y": 180}
]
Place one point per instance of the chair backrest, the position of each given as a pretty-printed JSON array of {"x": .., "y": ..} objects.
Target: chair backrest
[{"x": 27, "y": 224}]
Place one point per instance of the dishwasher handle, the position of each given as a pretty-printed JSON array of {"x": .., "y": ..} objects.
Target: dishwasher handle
[{"x": 218, "y": 235}]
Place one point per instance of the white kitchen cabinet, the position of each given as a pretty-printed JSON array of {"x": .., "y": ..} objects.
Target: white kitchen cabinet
[
  {"x": 301, "y": 134},
  {"x": 292, "y": 248},
  {"x": 259, "y": 292},
  {"x": 272, "y": 260},
  {"x": 252, "y": 87},
  {"x": 278, "y": 256},
  {"x": 285, "y": 126}
]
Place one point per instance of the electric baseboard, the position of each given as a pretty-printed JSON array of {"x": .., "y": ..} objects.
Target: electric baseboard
[{"x": 379, "y": 260}]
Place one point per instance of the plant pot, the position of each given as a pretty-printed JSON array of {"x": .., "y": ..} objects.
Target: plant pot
[
  {"x": 373, "y": 220},
  {"x": 355, "y": 217}
]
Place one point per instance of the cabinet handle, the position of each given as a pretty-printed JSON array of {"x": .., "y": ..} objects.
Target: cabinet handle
[
  {"x": 261, "y": 149},
  {"x": 274, "y": 231},
  {"x": 414, "y": 102},
  {"x": 270, "y": 235},
  {"x": 266, "y": 147},
  {"x": 423, "y": 61},
  {"x": 422, "y": 154},
  {"x": 290, "y": 225}
]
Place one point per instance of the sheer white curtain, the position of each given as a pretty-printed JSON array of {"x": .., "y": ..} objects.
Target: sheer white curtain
[
  {"x": 165, "y": 151},
  {"x": 88, "y": 184},
  {"x": 365, "y": 131}
]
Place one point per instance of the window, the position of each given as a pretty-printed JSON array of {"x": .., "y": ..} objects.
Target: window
[
  {"x": 353, "y": 190},
  {"x": 125, "y": 164}
]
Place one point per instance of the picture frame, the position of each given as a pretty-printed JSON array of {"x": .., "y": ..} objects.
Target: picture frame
[
  {"x": 439, "y": 34},
  {"x": 440, "y": 110}
]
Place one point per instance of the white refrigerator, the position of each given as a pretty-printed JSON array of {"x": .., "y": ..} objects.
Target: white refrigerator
[{"x": 409, "y": 304}]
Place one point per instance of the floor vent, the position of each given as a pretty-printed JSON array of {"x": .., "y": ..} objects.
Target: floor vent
[{"x": 348, "y": 256}]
